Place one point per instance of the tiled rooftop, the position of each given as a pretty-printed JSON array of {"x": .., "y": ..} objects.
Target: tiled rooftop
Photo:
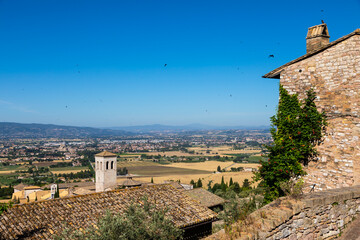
[
  {"x": 205, "y": 197},
  {"x": 40, "y": 220},
  {"x": 106, "y": 154}
]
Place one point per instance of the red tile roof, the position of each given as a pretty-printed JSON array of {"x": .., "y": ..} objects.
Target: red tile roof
[
  {"x": 205, "y": 197},
  {"x": 106, "y": 154},
  {"x": 40, "y": 220}
]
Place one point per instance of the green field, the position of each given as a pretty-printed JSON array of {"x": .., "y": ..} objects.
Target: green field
[
  {"x": 61, "y": 169},
  {"x": 12, "y": 168}
]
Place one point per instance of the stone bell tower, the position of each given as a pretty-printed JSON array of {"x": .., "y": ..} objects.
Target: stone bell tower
[{"x": 105, "y": 169}]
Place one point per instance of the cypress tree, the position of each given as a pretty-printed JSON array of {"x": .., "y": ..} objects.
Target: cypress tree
[
  {"x": 57, "y": 193},
  {"x": 199, "y": 183}
]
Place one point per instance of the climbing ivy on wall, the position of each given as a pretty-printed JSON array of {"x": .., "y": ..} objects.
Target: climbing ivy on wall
[{"x": 297, "y": 128}]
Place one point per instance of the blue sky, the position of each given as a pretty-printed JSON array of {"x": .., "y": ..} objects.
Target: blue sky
[{"x": 101, "y": 63}]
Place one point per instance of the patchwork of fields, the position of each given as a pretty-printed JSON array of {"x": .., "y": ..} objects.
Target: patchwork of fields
[
  {"x": 173, "y": 171},
  {"x": 185, "y": 172}
]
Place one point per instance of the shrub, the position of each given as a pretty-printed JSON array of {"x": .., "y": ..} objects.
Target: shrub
[
  {"x": 138, "y": 222},
  {"x": 296, "y": 129}
]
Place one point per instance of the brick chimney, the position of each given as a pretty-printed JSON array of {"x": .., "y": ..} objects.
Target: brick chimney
[{"x": 317, "y": 37}]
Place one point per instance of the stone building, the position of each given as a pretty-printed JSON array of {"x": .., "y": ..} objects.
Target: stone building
[
  {"x": 332, "y": 69},
  {"x": 105, "y": 169}
]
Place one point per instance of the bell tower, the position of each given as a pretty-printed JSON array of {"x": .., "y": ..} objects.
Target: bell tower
[{"x": 105, "y": 170}]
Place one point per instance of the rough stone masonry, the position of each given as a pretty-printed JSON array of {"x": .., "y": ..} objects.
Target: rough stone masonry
[{"x": 332, "y": 69}]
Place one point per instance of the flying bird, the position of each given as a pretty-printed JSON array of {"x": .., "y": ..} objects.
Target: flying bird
[
  {"x": 165, "y": 64},
  {"x": 271, "y": 56},
  {"x": 230, "y": 95}
]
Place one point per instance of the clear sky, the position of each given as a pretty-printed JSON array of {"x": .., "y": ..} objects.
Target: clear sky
[{"x": 102, "y": 63}]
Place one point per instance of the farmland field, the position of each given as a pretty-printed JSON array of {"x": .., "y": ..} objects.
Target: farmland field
[
  {"x": 11, "y": 169},
  {"x": 175, "y": 153},
  {"x": 216, "y": 178},
  {"x": 185, "y": 172},
  {"x": 212, "y": 165},
  {"x": 223, "y": 151},
  {"x": 68, "y": 169},
  {"x": 153, "y": 169}
]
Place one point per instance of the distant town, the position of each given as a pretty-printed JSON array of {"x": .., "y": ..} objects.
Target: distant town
[{"x": 44, "y": 161}]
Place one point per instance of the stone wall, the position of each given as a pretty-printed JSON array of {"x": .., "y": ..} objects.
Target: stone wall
[
  {"x": 334, "y": 74},
  {"x": 321, "y": 215}
]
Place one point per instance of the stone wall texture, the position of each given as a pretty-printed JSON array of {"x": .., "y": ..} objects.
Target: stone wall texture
[
  {"x": 321, "y": 215},
  {"x": 334, "y": 74}
]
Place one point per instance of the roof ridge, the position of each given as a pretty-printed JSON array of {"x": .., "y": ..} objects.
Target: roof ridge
[
  {"x": 274, "y": 73},
  {"x": 94, "y": 193}
]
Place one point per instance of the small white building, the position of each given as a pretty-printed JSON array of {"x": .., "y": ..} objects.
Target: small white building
[
  {"x": 30, "y": 189},
  {"x": 105, "y": 170}
]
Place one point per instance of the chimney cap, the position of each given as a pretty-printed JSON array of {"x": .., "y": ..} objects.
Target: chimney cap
[{"x": 320, "y": 30}]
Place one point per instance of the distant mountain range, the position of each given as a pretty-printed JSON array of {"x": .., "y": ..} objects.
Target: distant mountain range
[
  {"x": 190, "y": 127},
  {"x": 35, "y": 130}
]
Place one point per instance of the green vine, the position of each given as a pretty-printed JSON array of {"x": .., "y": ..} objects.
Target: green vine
[{"x": 297, "y": 128}]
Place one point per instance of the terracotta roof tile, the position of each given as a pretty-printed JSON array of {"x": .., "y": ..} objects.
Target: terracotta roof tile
[
  {"x": 205, "y": 197},
  {"x": 106, "y": 154},
  {"x": 43, "y": 219},
  {"x": 31, "y": 187}
]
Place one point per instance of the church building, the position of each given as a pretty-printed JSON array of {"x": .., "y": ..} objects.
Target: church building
[{"x": 332, "y": 69}]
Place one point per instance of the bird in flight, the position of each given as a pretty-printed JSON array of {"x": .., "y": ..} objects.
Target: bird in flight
[
  {"x": 271, "y": 56},
  {"x": 165, "y": 64}
]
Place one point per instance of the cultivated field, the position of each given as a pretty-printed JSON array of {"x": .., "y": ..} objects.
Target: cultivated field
[
  {"x": 185, "y": 172},
  {"x": 176, "y": 153},
  {"x": 151, "y": 169},
  {"x": 11, "y": 169},
  {"x": 212, "y": 165},
  {"x": 222, "y": 151},
  {"x": 68, "y": 170},
  {"x": 205, "y": 178}
]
